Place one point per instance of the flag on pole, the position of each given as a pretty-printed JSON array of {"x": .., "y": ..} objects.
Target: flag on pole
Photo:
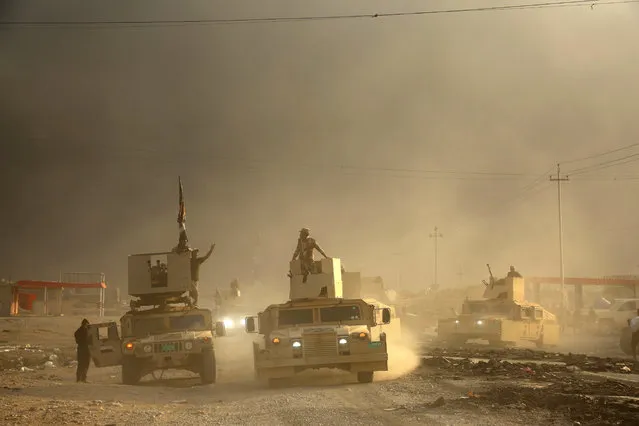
[{"x": 181, "y": 219}]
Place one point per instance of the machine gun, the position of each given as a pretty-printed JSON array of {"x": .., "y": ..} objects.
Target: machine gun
[{"x": 492, "y": 278}]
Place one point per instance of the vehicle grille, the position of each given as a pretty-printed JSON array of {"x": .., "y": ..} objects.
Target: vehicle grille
[
  {"x": 319, "y": 344},
  {"x": 177, "y": 347}
]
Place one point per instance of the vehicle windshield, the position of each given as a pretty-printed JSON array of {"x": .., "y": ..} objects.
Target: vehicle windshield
[
  {"x": 146, "y": 326},
  {"x": 187, "y": 322},
  {"x": 295, "y": 317},
  {"x": 340, "y": 313},
  {"x": 157, "y": 325}
]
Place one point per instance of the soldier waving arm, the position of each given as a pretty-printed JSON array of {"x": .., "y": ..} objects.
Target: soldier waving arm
[{"x": 207, "y": 255}]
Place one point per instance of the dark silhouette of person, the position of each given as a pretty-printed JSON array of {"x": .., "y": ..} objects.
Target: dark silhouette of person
[{"x": 84, "y": 357}]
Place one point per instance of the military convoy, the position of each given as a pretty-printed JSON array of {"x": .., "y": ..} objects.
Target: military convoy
[
  {"x": 163, "y": 330},
  {"x": 502, "y": 317},
  {"x": 323, "y": 325}
]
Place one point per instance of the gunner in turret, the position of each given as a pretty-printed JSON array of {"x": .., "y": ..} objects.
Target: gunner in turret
[
  {"x": 304, "y": 250},
  {"x": 513, "y": 273}
]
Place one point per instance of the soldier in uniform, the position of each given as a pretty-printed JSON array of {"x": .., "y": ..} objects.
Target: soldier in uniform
[
  {"x": 305, "y": 247},
  {"x": 84, "y": 358},
  {"x": 235, "y": 288},
  {"x": 513, "y": 273},
  {"x": 195, "y": 271}
]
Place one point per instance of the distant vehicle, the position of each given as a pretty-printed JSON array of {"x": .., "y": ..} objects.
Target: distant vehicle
[
  {"x": 502, "y": 317},
  {"x": 319, "y": 328},
  {"x": 615, "y": 318}
]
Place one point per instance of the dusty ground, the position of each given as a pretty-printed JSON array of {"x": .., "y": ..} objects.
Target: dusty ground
[{"x": 439, "y": 387}]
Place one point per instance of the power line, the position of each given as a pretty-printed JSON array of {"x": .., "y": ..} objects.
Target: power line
[
  {"x": 277, "y": 19},
  {"x": 590, "y": 157},
  {"x": 604, "y": 164}
]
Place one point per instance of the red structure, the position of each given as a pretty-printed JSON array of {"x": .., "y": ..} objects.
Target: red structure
[
  {"x": 579, "y": 283},
  {"x": 21, "y": 296}
]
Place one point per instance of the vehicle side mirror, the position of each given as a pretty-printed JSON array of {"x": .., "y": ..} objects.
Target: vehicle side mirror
[
  {"x": 250, "y": 325},
  {"x": 220, "y": 329},
  {"x": 386, "y": 316}
]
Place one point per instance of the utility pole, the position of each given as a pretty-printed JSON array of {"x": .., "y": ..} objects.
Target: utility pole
[
  {"x": 436, "y": 235},
  {"x": 559, "y": 179},
  {"x": 460, "y": 274}
]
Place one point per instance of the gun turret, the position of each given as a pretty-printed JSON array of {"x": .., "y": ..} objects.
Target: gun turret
[{"x": 492, "y": 277}]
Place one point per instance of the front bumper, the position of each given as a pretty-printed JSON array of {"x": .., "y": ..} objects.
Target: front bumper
[{"x": 321, "y": 362}]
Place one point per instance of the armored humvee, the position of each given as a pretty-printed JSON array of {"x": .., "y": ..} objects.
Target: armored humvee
[
  {"x": 501, "y": 318},
  {"x": 319, "y": 328},
  {"x": 162, "y": 330}
]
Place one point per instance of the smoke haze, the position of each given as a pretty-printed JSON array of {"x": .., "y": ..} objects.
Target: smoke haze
[{"x": 277, "y": 126}]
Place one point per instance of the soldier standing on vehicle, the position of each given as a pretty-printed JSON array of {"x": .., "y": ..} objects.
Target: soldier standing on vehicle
[
  {"x": 195, "y": 271},
  {"x": 513, "y": 273},
  {"x": 305, "y": 247},
  {"x": 235, "y": 288},
  {"x": 634, "y": 327},
  {"x": 84, "y": 358}
]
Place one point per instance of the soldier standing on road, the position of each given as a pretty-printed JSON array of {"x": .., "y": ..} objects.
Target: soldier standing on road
[
  {"x": 84, "y": 358},
  {"x": 305, "y": 247},
  {"x": 195, "y": 271}
]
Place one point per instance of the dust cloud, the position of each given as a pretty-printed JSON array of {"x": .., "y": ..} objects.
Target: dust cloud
[
  {"x": 403, "y": 358},
  {"x": 339, "y": 126}
]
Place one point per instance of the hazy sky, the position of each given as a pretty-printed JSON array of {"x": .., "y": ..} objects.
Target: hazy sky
[{"x": 277, "y": 126}]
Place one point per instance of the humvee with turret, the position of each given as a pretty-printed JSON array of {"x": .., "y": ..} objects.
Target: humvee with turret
[
  {"x": 502, "y": 318},
  {"x": 319, "y": 328},
  {"x": 162, "y": 330}
]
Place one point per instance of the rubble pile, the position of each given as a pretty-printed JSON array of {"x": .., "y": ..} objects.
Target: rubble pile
[
  {"x": 584, "y": 402},
  {"x": 573, "y": 361},
  {"x": 493, "y": 366},
  {"x": 31, "y": 357}
]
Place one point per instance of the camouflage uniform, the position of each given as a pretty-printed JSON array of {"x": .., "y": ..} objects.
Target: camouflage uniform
[
  {"x": 305, "y": 247},
  {"x": 195, "y": 272}
]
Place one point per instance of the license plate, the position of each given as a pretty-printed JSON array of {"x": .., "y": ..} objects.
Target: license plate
[
  {"x": 374, "y": 344},
  {"x": 167, "y": 347}
]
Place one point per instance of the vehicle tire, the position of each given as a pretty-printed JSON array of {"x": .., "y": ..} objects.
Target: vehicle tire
[
  {"x": 208, "y": 369},
  {"x": 365, "y": 376},
  {"x": 625, "y": 341},
  {"x": 130, "y": 371}
]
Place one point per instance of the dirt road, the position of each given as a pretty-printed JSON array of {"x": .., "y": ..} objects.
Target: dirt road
[{"x": 415, "y": 392}]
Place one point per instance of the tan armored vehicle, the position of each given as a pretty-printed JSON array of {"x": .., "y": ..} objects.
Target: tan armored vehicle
[
  {"x": 320, "y": 328},
  {"x": 162, "y": 330},
  {"x": 503, "y": 317}
]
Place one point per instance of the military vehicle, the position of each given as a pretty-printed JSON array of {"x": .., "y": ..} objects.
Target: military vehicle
[
  {"x": 162, "y": 330},
  {"x": 503, "y": 317},
  {"x": 232, "y": 307},
  {"x": 321, "y": 328}
]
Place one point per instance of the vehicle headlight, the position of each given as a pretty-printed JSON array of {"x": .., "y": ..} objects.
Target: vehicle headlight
[
  {"x": 342, "y": 341},
  {"x": 480, "y": 322},
  {"x": 297, "y": 344},
  {"x": 456, "y": 321},
  {"x": 243, "y": 321},
  {"x": 228, "y": 323},
  {"x": 129, "y": 346},
  {"x": 276, "y": 340},
  {"x": 188, "y": 346},
  {"x": 148, "y": 348}
]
